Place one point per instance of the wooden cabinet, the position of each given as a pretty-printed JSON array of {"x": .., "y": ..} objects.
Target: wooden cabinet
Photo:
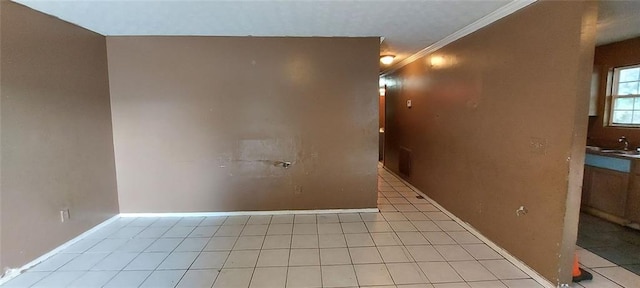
[
  {"x": 608, "y": 190},
  {"x": 633, "y": 200},
  {"x": 586, "y": 186},
  {"x": 611, "y": 188}
]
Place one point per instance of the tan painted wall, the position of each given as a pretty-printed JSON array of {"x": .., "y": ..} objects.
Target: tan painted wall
[
  {"x": 607, "y": 57},
  {"x": 57, "y": 147},
  {"x": 492, "y": 128},
  {"x": 200, "y": 122},
  {"x": 1, "y": 5}
]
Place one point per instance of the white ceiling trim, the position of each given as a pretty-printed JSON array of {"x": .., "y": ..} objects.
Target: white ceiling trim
[{"x": 496, "y": 15}]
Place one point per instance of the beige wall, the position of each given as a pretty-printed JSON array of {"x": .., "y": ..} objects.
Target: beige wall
[
  {"x": 501, "y": 123},
  {"x": 200, "y": 122},
  {"x": 57, "y": 147}
]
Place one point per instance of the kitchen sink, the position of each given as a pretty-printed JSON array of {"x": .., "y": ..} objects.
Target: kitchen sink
[{"x": 619, "y": 151}]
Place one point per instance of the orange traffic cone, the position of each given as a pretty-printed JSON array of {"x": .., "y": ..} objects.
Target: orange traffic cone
[
  {"x": 578, "y": 273},
  {"x": 576, "y": 266}
]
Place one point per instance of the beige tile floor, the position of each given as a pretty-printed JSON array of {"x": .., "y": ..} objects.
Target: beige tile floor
[
  {"x": 605, "y": 273},
  {"x": 409, "y": 244}
]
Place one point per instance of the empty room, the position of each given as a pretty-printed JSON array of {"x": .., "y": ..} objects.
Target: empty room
[{"x": 407, "y": 144}]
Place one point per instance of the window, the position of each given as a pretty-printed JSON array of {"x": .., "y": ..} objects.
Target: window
[{"x": 625, "y": 96}]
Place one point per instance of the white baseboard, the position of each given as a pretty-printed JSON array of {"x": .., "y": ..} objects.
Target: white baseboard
[
  {"x": 250, "y": 213},
  {"x": 12, "y": 273},
  {"x": 515, "y": 261}
]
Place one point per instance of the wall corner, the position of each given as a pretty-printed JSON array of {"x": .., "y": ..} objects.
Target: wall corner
[{"x": 579, "y": 137}]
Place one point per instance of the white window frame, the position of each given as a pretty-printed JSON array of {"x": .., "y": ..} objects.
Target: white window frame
[{"x": 614, "y": 96}]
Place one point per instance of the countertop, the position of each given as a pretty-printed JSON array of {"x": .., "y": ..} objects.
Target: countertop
[{"x": 597, "y": 151}]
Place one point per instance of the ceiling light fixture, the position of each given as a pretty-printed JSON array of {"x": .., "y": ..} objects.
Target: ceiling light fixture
[{"x": 387, "y": 59}]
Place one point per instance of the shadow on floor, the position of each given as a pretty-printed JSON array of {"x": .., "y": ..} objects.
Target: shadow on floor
[{"x": 618, "y": 244}]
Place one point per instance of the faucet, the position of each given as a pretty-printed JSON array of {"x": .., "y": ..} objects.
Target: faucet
[{"x": 624, "y": 140}]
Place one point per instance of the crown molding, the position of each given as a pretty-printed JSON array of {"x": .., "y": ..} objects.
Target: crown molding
[{"x": 496, "y": 15}]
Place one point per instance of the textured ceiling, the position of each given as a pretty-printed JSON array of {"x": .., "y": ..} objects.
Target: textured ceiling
[
  {"x": 407, "y": 26},
  {"x": 618, "y": 20}
]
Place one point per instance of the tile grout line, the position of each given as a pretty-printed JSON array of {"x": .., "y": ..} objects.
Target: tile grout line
[
  {"x": 12, "y": 273},
  {"x": 405, "y": 247},
  {"x": 318, "y": 243},
  {"x": 510, "y": 258},
  {"x": 604, "y": 276},
  {"x": 165, "y": 258},
  {"x": 436, "y": 250},
  {"x": 353, "y": 265},
  {"x": 255, "y": 265},
  {"x": 286, "y": 274},
  {"x": 194, "y": 259},
  {"x": 441, "y": 255}
]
